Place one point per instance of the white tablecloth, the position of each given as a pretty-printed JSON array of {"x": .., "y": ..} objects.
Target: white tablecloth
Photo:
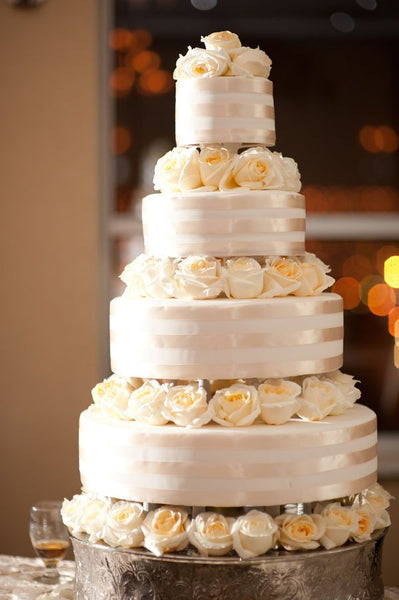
[{"x": 16, "y": 581}]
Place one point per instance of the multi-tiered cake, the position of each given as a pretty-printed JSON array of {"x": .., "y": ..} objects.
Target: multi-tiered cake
[{"x": 227, "y": 429}]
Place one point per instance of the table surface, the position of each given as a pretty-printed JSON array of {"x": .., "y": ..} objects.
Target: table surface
[{"x": 16, "y": 581}]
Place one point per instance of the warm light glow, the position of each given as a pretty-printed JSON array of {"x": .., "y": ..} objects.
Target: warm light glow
[
  {"x": 141, "y": 40},
  {"x": 379, "y": 139},
  {"x": 357, "y": 265},
  {"x": 120, "y": 140},
  {"x": 145, "y": 61},
  {"x": 120, "y": 39},
  {"x": 382, "y": 255},
  {"x": 121, "y": 81},
  {"x": 366, "y": 284},
  {"x": 156, "y": 82},
  {"x": 349, "y": 289},
  {"x": 391, "y": 271},
  {"x": 381, "y": 299},
  {"x": 393, "y": 322}
]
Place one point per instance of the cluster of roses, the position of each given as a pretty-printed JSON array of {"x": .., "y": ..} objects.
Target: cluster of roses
[
  {"x": 274, "y": 401},
  {"x": 125, "y": 524},
  {"x": 223, "y": 56},
  {"x": 215, "y": 168},
  {"x": 201, "y": 277}
]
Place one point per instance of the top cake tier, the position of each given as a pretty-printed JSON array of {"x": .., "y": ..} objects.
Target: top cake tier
[{"x": 223, "y": 94}]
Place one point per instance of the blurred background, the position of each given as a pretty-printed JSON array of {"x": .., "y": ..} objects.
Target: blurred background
[{"x": 87, "y": 108}]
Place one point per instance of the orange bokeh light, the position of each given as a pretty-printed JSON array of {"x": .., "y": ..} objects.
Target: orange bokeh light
[
  {"x": 389, "y": 139},
  {"x": 120, "y": 140},
  {"x": 349, "y": 289},
  {"x": 379, "y": 139},
  {"x": 381, "y": 299},
  {"x": 145, "y": 61},
  {"x": 156, "y": 82},
  {"x": 383, "y": 254},
  {"x": 121, "y": 81},
  {"x": 393, "y": 321},
  {"x": 141, "y": 39},
  {"x": 120, "y": 39},
  {"x": 357, "y": 265}
]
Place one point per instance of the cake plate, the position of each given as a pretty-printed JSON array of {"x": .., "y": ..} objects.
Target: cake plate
[{"x": 351, "y": 572}]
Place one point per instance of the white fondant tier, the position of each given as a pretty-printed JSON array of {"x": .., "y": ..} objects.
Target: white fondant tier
[
  {"x": 217, "y": 466},
  {"x": 236, "y": 110},
  {"x": 226, "y": 338},
  {"x": 239, "y": 223}
]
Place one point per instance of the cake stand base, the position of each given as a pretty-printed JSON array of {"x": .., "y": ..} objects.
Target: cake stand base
[{"x": 352, "y": 572}]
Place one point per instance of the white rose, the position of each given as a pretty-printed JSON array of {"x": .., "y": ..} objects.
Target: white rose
[
  {"x": 300, "y": 532},
  {"x": 290, "y": 171},
  {"x": 111, "y": 396},
  {"x": 254, "y": 534},
  {"x": 313, "y": 281},
  {"x": 149, "y": 276},
  {"x": 254, "y": 169},
  {"x": 346, "y": 383},
  {"x": 221, "y": 39},
  {"x": 309, "y": 257},
  {"x": 198, "y": 278},
  {"x": 319, "y": 399},
  {"x": 250, "y": 62},
  {"x": 376, "y": 498},
  {"x": 244, "y": 277},
  {"x": 211, "y": 534},
  {"x": 278, "y": 400},
  {"x": 282, "y": 276},
  {"x": 187, "y": 406},
  {"x": 200, "y": 63},
  {"x": 72, "y": 513},
  {"x": 165, "y": 530},
  {"x": 236, "y": 406},
  {"x": 147, "y": 402},
  {"x": 365, "y": 524},
  {"x": 94, "y": 515},
  {"x": 213, "y": 164},
  {"x": 340, "y": 521},
  {"x": 382, "y": 520},
  {"x": 178, "y": 171},
  {"x": 123, "y": 525}
]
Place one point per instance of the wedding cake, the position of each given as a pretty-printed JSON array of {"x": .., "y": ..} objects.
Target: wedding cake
[{"x": 227, "y": 436}]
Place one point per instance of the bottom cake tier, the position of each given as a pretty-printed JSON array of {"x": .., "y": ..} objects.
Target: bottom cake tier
[{"x": 347, "y": 573}]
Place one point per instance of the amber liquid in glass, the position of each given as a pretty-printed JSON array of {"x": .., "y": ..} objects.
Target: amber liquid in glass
[{"x": 51, "y": 551}]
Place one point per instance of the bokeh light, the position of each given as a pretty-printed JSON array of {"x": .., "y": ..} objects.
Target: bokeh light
[
  {"x": 120, "y": 39},
  {"x": 121, "y": 81},
  {"x": 141, "y": 39},
  {"x": 393, "y": 321},
  {"x": 349, "y": 289},
  {"x": 391, "y": 271},
  {"x": 357, "y": 265},
  {"x": 120, "y": 140},
  {"x": 366, "y": 284},
  {"x": 382, "y": 254},
  {"x": 145, "y": 61},
  {"x": 155, "y": 82},
  {"x": 381, "y": 299},
  {"x": 378, "y": 139}
]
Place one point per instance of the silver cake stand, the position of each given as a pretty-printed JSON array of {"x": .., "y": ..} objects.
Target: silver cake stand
[{"x": 352, "y": 572}]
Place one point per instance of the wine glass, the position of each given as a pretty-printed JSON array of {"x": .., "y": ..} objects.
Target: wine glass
[{"x": 49, "y": 538}]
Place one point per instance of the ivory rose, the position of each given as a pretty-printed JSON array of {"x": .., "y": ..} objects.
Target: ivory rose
[
  {"x": 72, "y": 513},
  {"x": 313, "y": 280},
  {"x": 111, "y": 396},
  {"x": 198, "y": 277},
  {"x": 290, "y": 172},
  {"x": 95, "y": 511},
  {"x": 346, "y": 383},
  {"x": 319, "y": 399},
  {"x": 377, "y": 498},
  {"x": 178, "y": 171},
  {"x": 254, "y": 169},
  {"x": 187, "y": 406},
  {"x": 340, "y": 521},
  {"x": 254, "y": 534},
  {"x": 221, "y": 39},
  {"x": 282, "y": 276},
  {"x": 165, "y": 530},
  {"x": 123, "y": 525},
  {"x": 365, "y": 524},
  {"x": 236, "y": 406},
  {"x": 149, "y": 276},
  {"x": 278, "y": 400},
  {"x": 147, "y": 402},
  {"x": 300, "y": 532},
  {"x": 249, "y": 62},
  {"x": 213, "y": 163},
  {"x": 201, "y": 63},
  {"x": 211, "y": 534},
  {"x": 244, "y": 277}
]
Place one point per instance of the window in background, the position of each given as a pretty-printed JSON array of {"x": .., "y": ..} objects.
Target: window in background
[{"x": 336, "y": 98}]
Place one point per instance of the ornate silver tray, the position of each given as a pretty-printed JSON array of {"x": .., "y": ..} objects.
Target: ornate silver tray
[{"x": 352, "y": 572}]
